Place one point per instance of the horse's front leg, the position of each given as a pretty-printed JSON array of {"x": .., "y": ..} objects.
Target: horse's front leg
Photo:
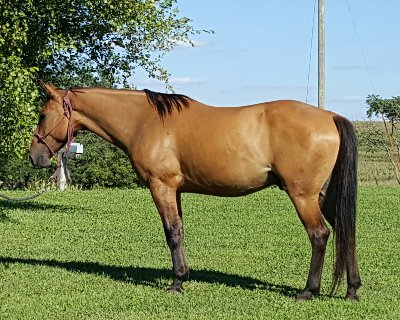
[{"x": 168, "y": 204}]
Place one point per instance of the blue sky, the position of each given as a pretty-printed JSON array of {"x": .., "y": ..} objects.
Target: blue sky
[{"x": 260, "y": 52}]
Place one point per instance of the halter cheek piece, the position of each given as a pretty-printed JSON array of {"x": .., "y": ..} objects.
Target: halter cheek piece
[{"x": 67, "y": 105}]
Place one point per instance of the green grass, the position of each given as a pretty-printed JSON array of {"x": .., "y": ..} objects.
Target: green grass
[{"x": 102, "y": 255}]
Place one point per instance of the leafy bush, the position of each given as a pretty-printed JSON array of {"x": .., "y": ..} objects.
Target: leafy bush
[
  {"x": 16, "y": 173},
  {"x": 101, "y": 165}
]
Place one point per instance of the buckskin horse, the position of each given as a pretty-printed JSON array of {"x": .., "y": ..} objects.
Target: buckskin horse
[{"x": 177, "y": 145}]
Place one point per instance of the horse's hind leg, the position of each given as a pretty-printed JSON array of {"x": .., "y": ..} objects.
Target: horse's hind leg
[
  {"x": 353, "y": 274},
  {"x": 310, "y": 215},
  {"x": 168, "y": 204}
]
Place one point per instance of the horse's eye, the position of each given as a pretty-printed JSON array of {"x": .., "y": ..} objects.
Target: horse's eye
[{"x": 41, "y": 118}]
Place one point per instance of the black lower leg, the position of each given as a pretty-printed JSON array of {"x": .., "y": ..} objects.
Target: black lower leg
[
  {"x": 180, "y": 268},
  {"x": 353, "y": 277},
  {"x": 318, "y": 241}
]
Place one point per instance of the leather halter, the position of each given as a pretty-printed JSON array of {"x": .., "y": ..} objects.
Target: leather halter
[{"x": 67, "y": 105}]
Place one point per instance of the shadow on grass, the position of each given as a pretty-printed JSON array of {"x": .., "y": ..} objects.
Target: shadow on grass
[
  {"x": 32, "y": 206},
  {"x": 151, "y": 276},
  {"x": 5, "y": 218},
  {"x": 28, "y": 206}
]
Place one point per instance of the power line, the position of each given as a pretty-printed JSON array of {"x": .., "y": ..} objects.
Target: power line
[
  {"x": 321, "y": 54},
  {"x": 361, "y": 47},
  {"x": 311, "y": 48}
]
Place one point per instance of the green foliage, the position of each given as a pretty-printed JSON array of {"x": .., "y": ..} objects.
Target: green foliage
[
  {"x": 77, "y": 43},
  {"x": 101, "y": 165},
  {"x": 389, "y": 108},
  {"x": 17, "y": 173},
  {"x": 101, "y": 254},
  {"x": 18, "y": 97},
  {"x": 374, "y": 165}
]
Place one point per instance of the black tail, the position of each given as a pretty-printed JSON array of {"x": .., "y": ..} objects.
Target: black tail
[{"x": 339, "y": 207}]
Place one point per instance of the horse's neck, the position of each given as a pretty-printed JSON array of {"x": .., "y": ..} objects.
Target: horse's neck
[{"x": 112, "y": 116}]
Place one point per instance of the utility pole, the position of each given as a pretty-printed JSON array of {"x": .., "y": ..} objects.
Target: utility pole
[{"x": 321, "y": 54}]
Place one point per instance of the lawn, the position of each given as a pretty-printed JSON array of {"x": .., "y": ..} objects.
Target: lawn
[{"x": 102, "y": 255}]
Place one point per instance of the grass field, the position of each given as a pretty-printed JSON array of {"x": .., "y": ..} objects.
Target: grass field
[{"x": 102, "y": 255}]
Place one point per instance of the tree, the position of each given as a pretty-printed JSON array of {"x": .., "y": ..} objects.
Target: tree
[
  {"x": 76, "y": 43},
  {"x": 389, "y": 111}
]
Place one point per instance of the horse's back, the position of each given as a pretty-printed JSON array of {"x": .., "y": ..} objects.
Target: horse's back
[{"x": 243, "y": 149}]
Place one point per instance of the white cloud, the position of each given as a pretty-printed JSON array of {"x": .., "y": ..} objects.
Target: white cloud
[
  {"x": 184, "y": 81},
  {"x": 148, "y": 82},
  {"x": 190, "y": 44}
]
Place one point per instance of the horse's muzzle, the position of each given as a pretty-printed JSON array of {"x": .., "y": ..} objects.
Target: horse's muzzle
[{"x": 40, "y": 161}]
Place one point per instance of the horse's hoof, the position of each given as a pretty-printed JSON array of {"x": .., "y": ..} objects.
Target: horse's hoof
[
  {"x": 175, "y": 289},
  {"x": 304, "y": 296},
  {"x": 352, "y": 297}
]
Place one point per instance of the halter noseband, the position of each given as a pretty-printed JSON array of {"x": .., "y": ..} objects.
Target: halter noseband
[{"x": 67, "y": 105}]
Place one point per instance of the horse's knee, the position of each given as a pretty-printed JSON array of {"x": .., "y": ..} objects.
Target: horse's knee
[{"x": 311, "y": 216}]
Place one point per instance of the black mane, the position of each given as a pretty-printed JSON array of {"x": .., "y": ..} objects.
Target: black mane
[{"x": 166, "y": 102}]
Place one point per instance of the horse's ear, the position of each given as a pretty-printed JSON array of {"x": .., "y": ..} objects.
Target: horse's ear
[{"x": 50, "y": 90}]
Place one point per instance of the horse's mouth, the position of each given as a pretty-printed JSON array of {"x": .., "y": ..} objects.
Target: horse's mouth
[{"x": 40, "y": 162}]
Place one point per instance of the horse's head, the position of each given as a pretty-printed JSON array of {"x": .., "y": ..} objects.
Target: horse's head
[{"x": 52, "y": 131}]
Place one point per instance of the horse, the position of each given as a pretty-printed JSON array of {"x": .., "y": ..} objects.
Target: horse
[{"x": 179, "y": 145}]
